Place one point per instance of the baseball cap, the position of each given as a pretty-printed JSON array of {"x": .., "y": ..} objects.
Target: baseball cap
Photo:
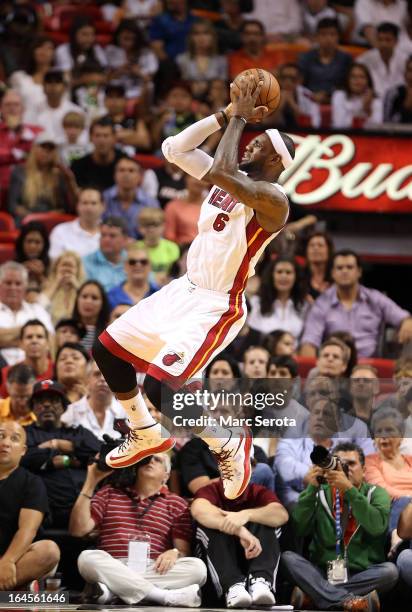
[{"x": 49, "y": 386}]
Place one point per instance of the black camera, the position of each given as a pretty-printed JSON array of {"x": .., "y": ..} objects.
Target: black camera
[{"x": 321, "y": 457}]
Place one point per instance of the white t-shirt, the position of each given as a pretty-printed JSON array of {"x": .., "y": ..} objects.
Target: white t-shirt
[
  {"x": 279, "y": 17},
  {"x": 284, "y": 317},
  {"x": 80, "y": 413},
  {"x": 345, "y": 109},
  {"x": 374, "y": 12},
  {"x": 382, "y": 77},
  {"x": 31, "y": 93},
  {"x": 64, "y": 60},
  {"x": 71, "y": 237},
  {"x": 10, "y": 318},
  {"x": 51, "y": 119}
]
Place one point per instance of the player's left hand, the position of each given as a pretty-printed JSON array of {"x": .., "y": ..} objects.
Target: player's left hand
[
  {"x": 244, "y": 98},
  {"x": 166, "y": 561}
]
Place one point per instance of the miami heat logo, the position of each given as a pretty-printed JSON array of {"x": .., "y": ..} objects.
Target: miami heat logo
[{"x": 170, "y": 358}]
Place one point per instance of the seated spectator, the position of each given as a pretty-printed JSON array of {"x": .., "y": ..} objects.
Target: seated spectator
[
  {"x": 59, "y": 294},
  {"x": 127, "y": 197},
  {"x": 81, "y": 47},
  {"x": 319, "y": 251},
  {"x": 403, "y": 562},
  {"x": 137, "y": 499},
  {"x": 333, "y": 358},
  {"x": 356, "y": 106},
  {"x": 176, "y": 115},
  {"x": 368, "y": 574},
  {"x": 32, "y": 250},
  {"x": 324, "y": 68},
  {"x": 106, "y": 263},
  {"x": 386, "y": 61},
  {"x": 283, "y": 19},
  {"x": 96, "y": 169},
  {"x": 364, "y": 389},
  {"x": 76, "y": 139},
  {"x": 223, "y": 372},
  {"x": 132, "y": 134},
  {"x": 58, "y": 454},
  {"x": 324, "y": 425},
  {"x": 246, "y": 338},
  {"x": 182, "y": 216},
  {"x": 15, "y": 312},
  {"x": 397, "y": 108},
  {"x": 168, "y": 31},
  {"x": 201, "y": 62},
  {"x": 19, "y": 384},
  {"x": 67, "y": 330},
  {"x": 70, "y": 370},
  {"x": 229, "y": 25},
  {"x": 23, "y": 506},
  {"x": 369, "y": 14},
  {"x": 41, "y": 184},
  {"x": 29, "y": 82},
  {"x": 88, "y": 93},
  {"x": 84, "y": 231},
  {"x": 296, "y": 107},
  {"x": 91, "y": 310},
  {"x": 162, "y": 252},
  {"x": 280, "y": 300},
  {"x": 238, "y": 540},
  {"x": 17, "y": 137},
  {"x": 49, "y": 113},
  {"x": 34, "y": 341},
  {"x": 98, "y": 409},
  {"x": 253, "y": 51},
  {"x": 138, "y": 284},
  {"x": 349, "y": 306},
  {"x": 313, "y": 11},
  {"x": 255, "y": 362},
  {"x": 118, "y": 311},
  {"x": 130, "y": 60},
  {"x": 143, "y": 12},
  {"x": 280, "y": 343},
  {"x": 402, "y": 378},
  {"x": 171, "y": 183}
]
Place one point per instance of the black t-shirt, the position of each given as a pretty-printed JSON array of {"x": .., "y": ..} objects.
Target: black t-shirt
[
  {"x": 90, "y": 174},
  {"x": 20, "y": 489},
  {"x": 170, "y": 188}
]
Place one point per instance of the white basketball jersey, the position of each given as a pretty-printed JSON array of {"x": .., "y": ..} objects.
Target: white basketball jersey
[{"x": 229, "y": 243}]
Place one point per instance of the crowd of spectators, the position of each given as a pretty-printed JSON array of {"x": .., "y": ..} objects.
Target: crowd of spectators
[{"x": 88, "y": 93}]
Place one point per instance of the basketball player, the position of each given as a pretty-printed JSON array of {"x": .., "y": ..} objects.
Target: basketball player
[{"x": 173, "y": 334}]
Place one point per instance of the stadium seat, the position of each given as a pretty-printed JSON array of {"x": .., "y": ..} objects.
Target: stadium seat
[
  {"x": 305, "y": 364},
  {"x": 385, "y": 367},
  {"x": 148, "y": 161},
  {"x": 6, "y": 222},
  {"x": 6, "y": 252},
  {"x": 50, "y": 219}
]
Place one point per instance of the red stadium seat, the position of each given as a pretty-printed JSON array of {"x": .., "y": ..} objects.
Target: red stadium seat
[
  {"x": 7, "y": 252},
  {"x": 7, "y": 222},
  {"x": 385, "y": 367},
  {"x": 50, "y": 219},
  {"x": 149, "y": 161},
  {"x": 10, "y": 237},
  {"x": 305, "y": 364}
]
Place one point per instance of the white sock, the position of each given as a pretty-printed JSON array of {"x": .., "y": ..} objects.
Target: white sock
[
  {"x": 157, "y": 595},
  {"x": 137, "y": 411}
]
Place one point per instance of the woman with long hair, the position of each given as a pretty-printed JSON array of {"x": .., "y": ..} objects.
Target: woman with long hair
[
  {"x": 81, "y": 47},
  {"x": 280, "y": 301},
  {"x": 29, "y": 82},
  {"x": 40, "y": 185},
  {"x": 223, "y": 373},
  {"x": 92, "y": 310},
  {"x": 65, "y": 278},
  {"x": 32, "y": 250},
  {"x": 130, "y": 58},
  {"x": 356, "y": 105},
  {"x": 319, "y": 251},
  {"x": 202, "y": 63}
]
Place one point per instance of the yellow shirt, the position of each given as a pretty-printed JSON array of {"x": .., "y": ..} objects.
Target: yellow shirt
[{"x": 5, "y": 414}]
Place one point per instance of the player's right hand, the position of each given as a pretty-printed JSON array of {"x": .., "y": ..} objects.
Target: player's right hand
[{"x": 243, "y": 99}]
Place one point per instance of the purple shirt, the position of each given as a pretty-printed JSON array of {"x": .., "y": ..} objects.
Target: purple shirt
[{"x": 363, "y": 320}]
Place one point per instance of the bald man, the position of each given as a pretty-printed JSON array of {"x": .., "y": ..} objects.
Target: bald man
[{"x": 23, "y": 505}]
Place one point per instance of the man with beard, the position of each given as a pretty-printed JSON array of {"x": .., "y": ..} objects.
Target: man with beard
[
  {"x": 174, "y": 334},
  {"x": 58, "y": 454}
]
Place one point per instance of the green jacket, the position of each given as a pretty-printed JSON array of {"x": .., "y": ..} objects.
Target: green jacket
[{"x": 370, "y": 506}]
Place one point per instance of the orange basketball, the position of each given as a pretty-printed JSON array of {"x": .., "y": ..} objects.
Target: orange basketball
[{"x": 270, "y": 93}]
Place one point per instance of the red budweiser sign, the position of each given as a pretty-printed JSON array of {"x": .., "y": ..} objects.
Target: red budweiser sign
[{"x": 353, "y": 173}]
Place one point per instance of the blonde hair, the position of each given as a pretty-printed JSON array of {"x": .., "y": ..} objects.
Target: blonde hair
[
  {"x": 73, "y": 119},
  {"x": 135, "y": 246},
  {"x": 40, "y": 183},
  {"x": 151, "y": 215},
  {"x": 62, "y": 299}
]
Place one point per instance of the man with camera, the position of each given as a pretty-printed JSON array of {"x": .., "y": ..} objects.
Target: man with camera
[{"x": 347, "y": 521}]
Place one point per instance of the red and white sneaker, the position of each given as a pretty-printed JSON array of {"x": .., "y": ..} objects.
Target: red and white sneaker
[
  {"x": 140, "y": 443},
  {"x": 233, "y": 459}
]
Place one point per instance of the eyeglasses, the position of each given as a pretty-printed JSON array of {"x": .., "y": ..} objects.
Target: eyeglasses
[{"x": 142, "y": 262}]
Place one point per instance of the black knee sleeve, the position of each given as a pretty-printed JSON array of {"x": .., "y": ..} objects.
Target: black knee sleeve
[{"x": 120, "y": 375}]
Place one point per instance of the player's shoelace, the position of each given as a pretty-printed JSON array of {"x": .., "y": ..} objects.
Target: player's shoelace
[
  {"x": 222, "y": 458},
  {"x": 132, "y": 436}
]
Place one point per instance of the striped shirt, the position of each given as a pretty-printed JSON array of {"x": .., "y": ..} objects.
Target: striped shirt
[{"x": 120, "y": 517}]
